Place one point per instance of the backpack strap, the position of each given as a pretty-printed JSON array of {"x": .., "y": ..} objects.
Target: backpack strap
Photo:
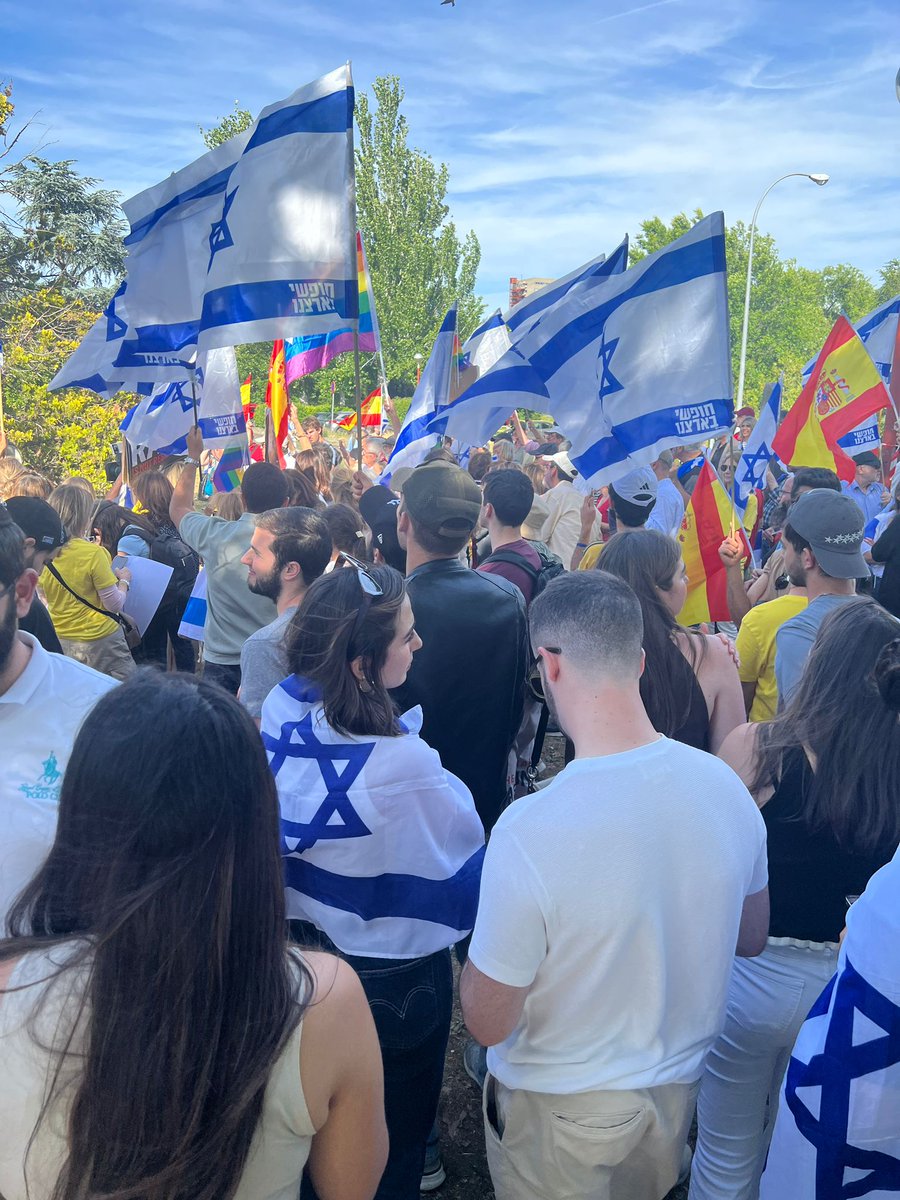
[{"x": 514, "y": 560}]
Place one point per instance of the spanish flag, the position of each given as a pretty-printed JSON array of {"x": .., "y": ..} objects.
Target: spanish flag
[
  {"x": 277, "y": 402},
  {"x": 245, "y": 399},
  {"x": 707, "y": 522},
  {"x": 371, "y": 412},
  {"x": 844, "y": 389}
]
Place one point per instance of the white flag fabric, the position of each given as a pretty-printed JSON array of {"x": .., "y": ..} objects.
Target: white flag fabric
[
  {"x": 193, "y": 620},
  {"x": 473, "y": 423},
  {"x": 380, "y": 878},
  {"x": 641, "y": 362},
  {"x": 282, "y": 258},
  {"x": 526, "y": 314},
  {"x": 751, "y": 470},
  {"x": 254, "y": 240},
  {"x": 837, "y": 1133},
  {"x": 864, "y": 437},
  {"x": 416, "y": 437},
  {"x": 162, "y": 420}
]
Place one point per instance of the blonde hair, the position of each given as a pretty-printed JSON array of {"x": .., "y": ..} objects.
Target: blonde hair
[
  {"x": 227, "y": 505},
  {"x": 74, "y": 505},
  {"x": 30, "y": 483},
  {"x": 10, "y": 470}
]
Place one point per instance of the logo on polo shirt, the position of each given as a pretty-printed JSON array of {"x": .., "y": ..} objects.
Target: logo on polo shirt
[{"x": 46, "y": 786}]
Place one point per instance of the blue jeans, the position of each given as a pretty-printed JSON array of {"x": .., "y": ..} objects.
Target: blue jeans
[{"x": 411, "y": 1001}]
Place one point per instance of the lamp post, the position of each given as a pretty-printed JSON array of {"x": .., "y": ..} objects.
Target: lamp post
[
  {"x": 821, "y": 180},
  {"x": 419, "y": 359}
]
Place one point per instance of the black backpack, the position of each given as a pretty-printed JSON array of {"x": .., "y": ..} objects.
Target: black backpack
[
  {"x": 551, "y": 565},
  {"x": 166, "y": 547}
]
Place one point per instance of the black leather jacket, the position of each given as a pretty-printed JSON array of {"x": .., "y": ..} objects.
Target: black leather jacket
[{"x": 469, "y": 675}]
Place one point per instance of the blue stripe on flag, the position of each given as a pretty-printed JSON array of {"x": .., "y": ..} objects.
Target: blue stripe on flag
[
  {"x": 688, "y": 421},
  {"x": 206, "y": 187},
  {"x": 610, "y": 266},
  {"x": 243, "y": 302},
  {"x": 681, "y": 265},
  {"x": 326, "y": 114},
  {"x": 452, "y": 902}
]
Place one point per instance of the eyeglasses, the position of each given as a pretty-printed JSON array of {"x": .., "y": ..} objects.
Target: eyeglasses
[
  {"x": 535, "y": 679},
  {"x": 370, "y": 588}
]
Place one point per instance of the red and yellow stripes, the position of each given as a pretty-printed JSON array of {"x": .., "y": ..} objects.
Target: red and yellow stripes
[{"x": 707, "y": 522}]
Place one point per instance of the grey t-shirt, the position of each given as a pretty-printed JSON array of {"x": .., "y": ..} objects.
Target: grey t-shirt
[
  {"x": 264, "y": 662},
  {"x": 233, "y": 612},
  {"x": 794, "y": 640}
]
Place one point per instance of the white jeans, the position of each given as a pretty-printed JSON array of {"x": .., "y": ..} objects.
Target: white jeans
[{"x": 768, "y": 1000}]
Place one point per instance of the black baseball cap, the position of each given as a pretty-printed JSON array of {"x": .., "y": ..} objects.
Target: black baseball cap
[
  {"x": 378, "y": 508},
  {"x": 37, "y": 520}
]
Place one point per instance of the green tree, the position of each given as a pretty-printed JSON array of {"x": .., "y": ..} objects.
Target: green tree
[
  {"x": 847, "y": 290},
  {"x": 58, "y": 433},
  {"x": 64, "y": 233},
  {"x": 228, "y": 127},
  {"x": 890, "y": 281}
]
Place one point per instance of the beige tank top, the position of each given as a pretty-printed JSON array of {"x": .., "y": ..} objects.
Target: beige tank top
[{"x": 280, "y": 1145}]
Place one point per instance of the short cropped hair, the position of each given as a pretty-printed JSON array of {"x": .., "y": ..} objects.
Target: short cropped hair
[
  {"x": 300, "y": 536},
  {"x": 263, "y": 487},
  {"x": 511, "y": 493},
  {"x": 595, "y": 621}
]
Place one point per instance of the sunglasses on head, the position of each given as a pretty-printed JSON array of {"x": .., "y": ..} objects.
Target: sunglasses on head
[{"x": 370, "y": 588}]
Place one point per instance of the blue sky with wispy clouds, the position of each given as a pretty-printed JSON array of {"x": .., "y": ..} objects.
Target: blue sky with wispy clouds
[{"x": 564, "y": 122}]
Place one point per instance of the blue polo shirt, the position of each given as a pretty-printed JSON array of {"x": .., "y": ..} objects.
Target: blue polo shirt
[{"x": 868, "y": 500}]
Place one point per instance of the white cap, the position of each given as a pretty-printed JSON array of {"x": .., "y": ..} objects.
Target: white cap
[
  {"x": 562, "y": 462},
  {"x": 637, "y": 487}
]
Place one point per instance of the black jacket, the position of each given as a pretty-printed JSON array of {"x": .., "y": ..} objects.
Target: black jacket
[
  {"x": 469, "y": 675},
  {"x": 887, "y": 550}
]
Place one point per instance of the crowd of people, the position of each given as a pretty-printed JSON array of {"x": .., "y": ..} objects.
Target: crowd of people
[{"x": 239, "y": 860}]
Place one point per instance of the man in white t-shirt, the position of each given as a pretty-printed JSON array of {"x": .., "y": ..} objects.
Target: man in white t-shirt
[
  {"x": 43, "y": 700},
  {"x": 612, "y": 904}
]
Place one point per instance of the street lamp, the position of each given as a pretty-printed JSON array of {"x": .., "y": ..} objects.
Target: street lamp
[
  {"x": 419, "y": 359},
  {"x": 821, "y": 180}
]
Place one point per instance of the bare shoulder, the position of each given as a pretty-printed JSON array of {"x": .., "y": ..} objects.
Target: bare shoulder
[{"x": 336, "y": 986}]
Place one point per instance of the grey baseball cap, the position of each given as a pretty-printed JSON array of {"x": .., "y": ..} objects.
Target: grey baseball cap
[{"x": 833, "y": 525}]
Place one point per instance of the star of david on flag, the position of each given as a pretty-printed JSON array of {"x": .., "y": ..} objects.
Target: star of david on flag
[
  {"x": 335, "y": 818},
  {"x": 751, "y": 470},
  {"x": 220, "y": 235}
]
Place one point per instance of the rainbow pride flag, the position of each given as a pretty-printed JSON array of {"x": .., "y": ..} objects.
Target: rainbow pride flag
[
  {"x": 303, "y": 355},
  {"x": 230, "y": 469}
]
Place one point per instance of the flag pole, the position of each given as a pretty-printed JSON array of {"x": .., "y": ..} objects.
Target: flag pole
[
  {"x": 197, "y": 424},
  {"x": 354, "y": 226},
  {"x": 358, "y": 389}
]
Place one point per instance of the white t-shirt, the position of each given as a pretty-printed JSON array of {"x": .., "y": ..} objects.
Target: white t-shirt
[
  {"x": 39, "y": 718},
  {"x": 668, "y": 511},
  {"x": 615, "y": 894}
]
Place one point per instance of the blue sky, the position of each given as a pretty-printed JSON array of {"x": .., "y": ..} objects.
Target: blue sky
[{"x": 563, "y": 123}]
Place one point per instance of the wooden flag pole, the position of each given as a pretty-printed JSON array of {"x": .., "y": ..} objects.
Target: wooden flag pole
[{"x": 358, "y": 389}]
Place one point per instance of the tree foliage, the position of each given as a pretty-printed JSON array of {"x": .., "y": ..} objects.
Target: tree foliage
[
  {"x": 791, "y": 307},
  {"x": 58, "y": 433},
  {"x": 228, "y": 127}
]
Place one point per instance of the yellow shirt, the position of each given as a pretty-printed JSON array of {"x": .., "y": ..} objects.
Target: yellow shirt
[
  {"x": 756, "y": 648},
  {"x": 590, "y": 556},
  {"x": 86, "y": 568}
]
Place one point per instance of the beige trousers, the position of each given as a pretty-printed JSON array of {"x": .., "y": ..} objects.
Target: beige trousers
[
  {"x": 109, "y": 655},
  {"x": 590, "y": 1145}
]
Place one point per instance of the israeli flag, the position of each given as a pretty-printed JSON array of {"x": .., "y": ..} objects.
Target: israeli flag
[
  {"x": 282, "y": 256},
  {"x": 465, "y": 421},
  {"x": 639, "y": 363},
  {"x": 193, "y": 619},
  {"x": 525, "y": 315},
  {"x": 878, "y": 333},
  {"x": 864, "y": 437},
  {"x": 382, "y": 847},
  {"x": 751, "y": 470},
  {"x": 162, "y": 420},
  {"x": 416, "y": 437}
]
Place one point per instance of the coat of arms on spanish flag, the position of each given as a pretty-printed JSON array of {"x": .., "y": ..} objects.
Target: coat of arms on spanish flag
[
  {"x": 844, "y": 389},
  {"x": 708, "y": 520}
]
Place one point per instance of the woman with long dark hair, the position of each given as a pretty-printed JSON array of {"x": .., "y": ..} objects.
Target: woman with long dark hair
[
  {"x": 153, "y": 494},
  {"x": 151, "y": 1013},
  {"x": 824, "y": 772},
  {"x": 690, "y": 685},
  {"x": 383, "y": 846}
]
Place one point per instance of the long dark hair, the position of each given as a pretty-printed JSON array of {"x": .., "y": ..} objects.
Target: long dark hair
[
  {"x": 154, "y": 492},
  {"x": 648, "y": 560},
  {"x": 169, "y": 889},
  {"x": 335, "y": 623},
  {"x": 110, "y": 520},
  {"x": 844, "y": 712}
]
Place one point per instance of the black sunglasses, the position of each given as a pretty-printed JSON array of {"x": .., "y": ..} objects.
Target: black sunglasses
[{"x": 370, "y": 588}]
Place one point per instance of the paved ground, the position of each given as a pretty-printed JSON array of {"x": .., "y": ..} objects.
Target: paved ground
[{"x": 462, "y": 1134}]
